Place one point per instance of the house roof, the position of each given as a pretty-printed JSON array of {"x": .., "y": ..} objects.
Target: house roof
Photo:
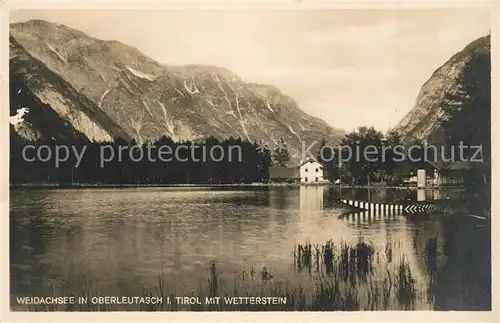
[
  {"x": 439, "y": 165},
  {"x": 406, "y": 167},
  {"x": 456, "y": 165},
  {"x": 284, "y": 172},
  {"x": 308, "y": 161}
]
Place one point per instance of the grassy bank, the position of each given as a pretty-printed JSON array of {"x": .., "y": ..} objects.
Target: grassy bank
[
  {"x": 194, "y": 186},
  {"x": 204, "y": 186}
]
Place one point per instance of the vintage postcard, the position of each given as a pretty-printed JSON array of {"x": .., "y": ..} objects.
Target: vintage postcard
[{"x": 267, "y": 158}]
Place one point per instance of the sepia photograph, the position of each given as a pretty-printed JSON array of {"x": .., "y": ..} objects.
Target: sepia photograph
[{"x": 264, "y": 160}]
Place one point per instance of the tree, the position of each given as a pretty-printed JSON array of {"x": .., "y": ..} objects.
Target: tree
[
  {"x": 365, "y": 147},
  {"x": 281, "y": 156},
  {"x": 191, "y": 166},
  {"x": 264, "y": 161},
  {"x": 390, "y": 166},
  {"x": 468, "y": 110},
  {"x": 326, "y": 157}
]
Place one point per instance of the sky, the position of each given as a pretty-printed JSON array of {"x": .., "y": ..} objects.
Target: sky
[{"x": 349, "y": 67}]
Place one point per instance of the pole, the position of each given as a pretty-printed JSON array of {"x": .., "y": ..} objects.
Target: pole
[
  {"x": 340, "y": 178},
  {"x": 369, "y": 188}
]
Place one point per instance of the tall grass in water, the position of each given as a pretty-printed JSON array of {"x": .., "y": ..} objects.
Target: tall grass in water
[
  {"x": 353, "y": 277},
  {"x": 351, "y": 262},
  {"x": 338, "y": 277}
]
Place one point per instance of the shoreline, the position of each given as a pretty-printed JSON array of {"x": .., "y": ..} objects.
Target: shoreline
[{"x": 97, "y": 186}]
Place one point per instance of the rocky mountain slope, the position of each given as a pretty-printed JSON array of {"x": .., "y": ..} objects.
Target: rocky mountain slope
[
  {"x": 44, "y": 106},
  {"x": 148, "y": 99},
  {"x": 423, "y": 121}
]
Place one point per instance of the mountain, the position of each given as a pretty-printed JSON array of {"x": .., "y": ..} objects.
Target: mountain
[
  {"x": 50, "y": 107},
  {"x": 148, "y": 99},
  {"x": 424, "y": 121}
]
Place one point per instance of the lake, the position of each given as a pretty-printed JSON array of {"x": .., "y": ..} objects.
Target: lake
[{"x": 120, "y": 241}]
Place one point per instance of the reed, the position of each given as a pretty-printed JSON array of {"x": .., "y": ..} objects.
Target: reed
[{"x": 345, "y": 277}]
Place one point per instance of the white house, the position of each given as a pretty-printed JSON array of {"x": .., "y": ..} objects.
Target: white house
[{"x": 311, "y": 172}]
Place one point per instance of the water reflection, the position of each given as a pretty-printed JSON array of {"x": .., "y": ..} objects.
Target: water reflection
[
  {"x": 421, "y": 196},
  {"x": 121, "y": 239},
  {"x": 311, "y": 198},
  {"x": 436, "y": 194}
]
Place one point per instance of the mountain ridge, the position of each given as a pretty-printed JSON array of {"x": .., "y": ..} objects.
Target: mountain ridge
[
  {"x": 149, "y": 99},
  {"x": 69, "y": 116},
  {"x": 424, "y": 120}
]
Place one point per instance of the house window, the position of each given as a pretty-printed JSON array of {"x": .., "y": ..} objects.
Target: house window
[
  {"x": 316, "y": 179},
  {"x": 305, "y": 179},
  {"x": 316, "y": 170},
  {"x": 306, "y": 170}
]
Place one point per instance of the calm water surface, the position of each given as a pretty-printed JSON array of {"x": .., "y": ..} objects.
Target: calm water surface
[{"x": 123, "y": 239}]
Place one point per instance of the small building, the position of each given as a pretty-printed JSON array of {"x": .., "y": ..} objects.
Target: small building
[
  {"x": 439, "y": 173},
  {"x": 279, "y": 174},
  {"x": 311, "y": 172},
  {"x": 449, "y": 173}
]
